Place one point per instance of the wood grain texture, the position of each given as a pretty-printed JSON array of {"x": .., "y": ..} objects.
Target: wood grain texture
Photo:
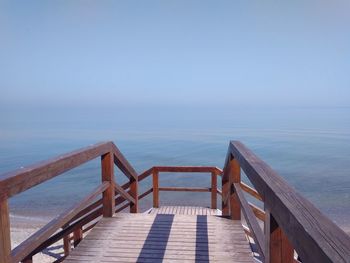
[
  {"x": 23, "y": 179},
  {"x": 164, "y": 238},
  {"x": 278, "y": 248},
  {"x": 315, "y": 237}
]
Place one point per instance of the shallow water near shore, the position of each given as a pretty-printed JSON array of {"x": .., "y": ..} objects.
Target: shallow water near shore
[{"x": 310, "y": 148}]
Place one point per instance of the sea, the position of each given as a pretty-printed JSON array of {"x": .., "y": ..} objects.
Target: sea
[{"x": 308, "y": 147}]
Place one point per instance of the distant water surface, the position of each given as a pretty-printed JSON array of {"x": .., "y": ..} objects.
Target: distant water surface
[{"x": 309, "y": 147}]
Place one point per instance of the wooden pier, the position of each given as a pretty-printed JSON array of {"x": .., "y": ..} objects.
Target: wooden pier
[{"x": 279, "y": 226}]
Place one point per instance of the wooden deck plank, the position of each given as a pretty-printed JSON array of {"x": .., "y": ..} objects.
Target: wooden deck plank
[{"x": 164, "y": 237}]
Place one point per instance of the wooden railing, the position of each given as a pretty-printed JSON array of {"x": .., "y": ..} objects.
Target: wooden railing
[
  {"x": 73, "y": 219},
  {"x": 290, "y": 221}
]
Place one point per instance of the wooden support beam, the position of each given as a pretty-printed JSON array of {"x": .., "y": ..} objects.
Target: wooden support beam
[
  {"x": 225, "y": 186},
  {"x": 5, "y": 238},
  {"x": 66, "y": 245},
  {"x": 107, "y": 165},
  {"x": 155, "y": 175},
  {"x": 134, "y": 194},
  {"x": 214, "y": 193},
  {"x": 235, "y": 178},
  {"x": 278, "y": 249},
  {"x": 77, "y": 236}
]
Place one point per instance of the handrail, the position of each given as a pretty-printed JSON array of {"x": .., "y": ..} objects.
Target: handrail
[
  {"x": 314, "y": 237},
  {"x": 20, "y": 180},
  {"x": 290, "y": 221},
  {"x": 188, "y": 169},
  {"x": 27, "y": 246}
]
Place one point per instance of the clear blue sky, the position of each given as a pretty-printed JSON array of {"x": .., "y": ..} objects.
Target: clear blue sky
[{"x": 91, "y": 53}]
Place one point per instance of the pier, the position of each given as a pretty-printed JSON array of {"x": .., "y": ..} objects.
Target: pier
[{"x": 107, "y": 226}]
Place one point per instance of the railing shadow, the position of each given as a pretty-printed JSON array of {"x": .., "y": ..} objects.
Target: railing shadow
[
  {"x": 202, "y": 240},
  {"x": 156, "y": 242}
]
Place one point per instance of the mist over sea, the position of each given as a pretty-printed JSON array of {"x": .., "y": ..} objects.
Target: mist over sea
[{"x": 309, "y": 147}]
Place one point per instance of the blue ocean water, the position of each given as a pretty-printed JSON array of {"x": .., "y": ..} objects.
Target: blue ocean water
[{"x": 309, "y": 147}]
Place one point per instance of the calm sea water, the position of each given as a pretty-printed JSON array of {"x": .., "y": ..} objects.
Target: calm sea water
[{"x": 310, "y": 148}]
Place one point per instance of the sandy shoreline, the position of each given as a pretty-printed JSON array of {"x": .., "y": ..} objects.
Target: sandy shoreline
[{"x": 22, "y": 227}]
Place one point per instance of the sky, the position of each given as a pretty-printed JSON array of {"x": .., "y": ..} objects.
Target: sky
[{"x": 187, "y": 53}]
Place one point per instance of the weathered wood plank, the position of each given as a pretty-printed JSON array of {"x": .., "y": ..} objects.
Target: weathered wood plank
[
  {"x": 315, "y": 237},
  {"x": 23, "y": 179},
  {"x": 160, "y": 238},
  {"x": 278, "y": 248}
]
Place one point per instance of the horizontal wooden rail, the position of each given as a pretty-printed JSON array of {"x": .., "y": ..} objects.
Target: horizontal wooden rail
[
  {"x": 185, "y": 189},
  {"x": 145, "y": 193},
  {"x": 39, "y": 237},
  {"x": 314, "y": 236},
  {"x": 188, "y": 169},
  {"x": 253, "y": 224},
  {"x": 20, "y": 180},
  {"x": 246, "y": 188},
  {"x": 259, "y": 213}
]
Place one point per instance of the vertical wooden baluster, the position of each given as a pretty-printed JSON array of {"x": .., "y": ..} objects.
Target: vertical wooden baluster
[
  {"x": 214, "y": 190},
  {"x": 134, "y": 193},
  {"x": 107, "y": 165},
  {"x": 5, "y": 237},
  {"x": 225, "y": 188},
  {"x": 277, "y": 247},
  {"x": 66, "y": 245},
  {"x": 155, "y": 175},
  {"x": 77, "y": 236},
  {"x": 235, "y": 177}
]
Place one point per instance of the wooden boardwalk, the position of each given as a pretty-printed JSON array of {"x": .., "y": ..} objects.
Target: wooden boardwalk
[{"x": 167, "y": 234}]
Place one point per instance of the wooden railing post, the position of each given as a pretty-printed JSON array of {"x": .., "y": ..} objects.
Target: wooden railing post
[
  {"x": 225, "y": 188},
  {"x": 214, "y": 190},
  {"x": 235, "y": 177},
  {"x": 5, "y": 238},
  {"x": 66, "y": 245},
  {"x": 277, "y": 247},
  {"x": 107, "y": 165},
  {"x": 134, "y": 193},
  {"x": 155, "y": 175},
  {"x": 77, "y": 236}
]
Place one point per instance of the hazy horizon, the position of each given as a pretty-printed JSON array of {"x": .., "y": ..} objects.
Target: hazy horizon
[{"x": 157, "y": 54}]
